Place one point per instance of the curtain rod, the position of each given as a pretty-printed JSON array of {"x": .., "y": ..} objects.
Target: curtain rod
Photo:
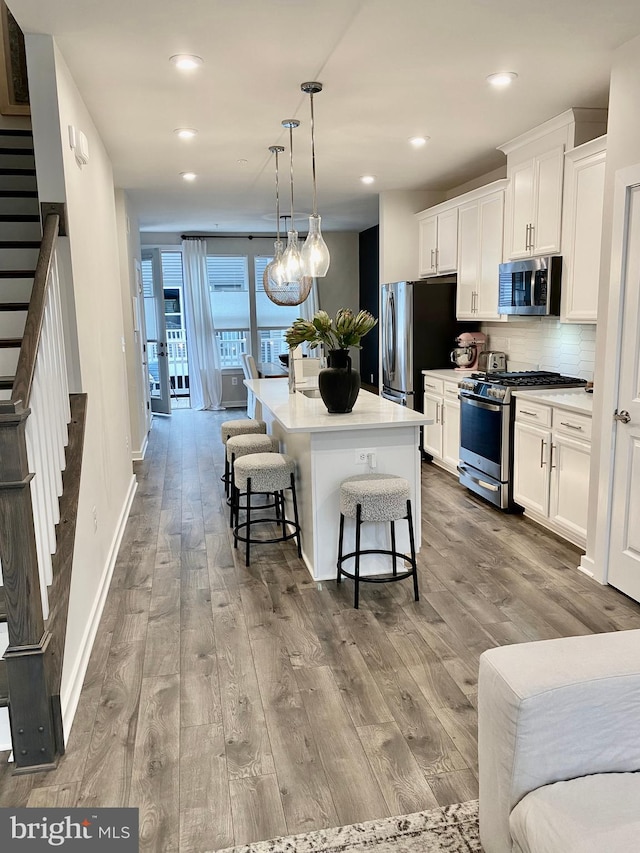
[{"x": 235, "y": 236}]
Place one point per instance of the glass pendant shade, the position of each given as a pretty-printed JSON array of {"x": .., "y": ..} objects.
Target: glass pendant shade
[
  {"x": 315, "y": 253},
  {"x": 296, "y": 285},
  {"x": 273, "y": 275}
]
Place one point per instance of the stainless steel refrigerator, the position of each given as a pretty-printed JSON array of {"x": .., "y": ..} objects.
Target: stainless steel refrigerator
[{"x": 418, "y": 329}]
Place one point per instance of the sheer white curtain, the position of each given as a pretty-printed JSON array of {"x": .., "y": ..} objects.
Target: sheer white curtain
[
  {"x": 205, "y": 378},
  {"x": 312, "y": 303}
]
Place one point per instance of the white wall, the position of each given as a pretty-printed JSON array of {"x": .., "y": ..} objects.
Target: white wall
[
  {"x": 399, "y": 232},
  {"x": 623, "y": 150},
  {"x": 92, "y": 276},
  {"x": 137, "y": 374}
]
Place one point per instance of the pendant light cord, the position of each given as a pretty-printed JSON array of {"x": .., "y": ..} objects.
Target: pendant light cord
[
  {"x": 313, "y": 159},
  {"x": 291, "y": 170},
  {"x": 277, "y": 201}
]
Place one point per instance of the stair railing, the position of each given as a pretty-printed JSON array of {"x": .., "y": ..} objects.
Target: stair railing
[{"x": 33, "y": 435}]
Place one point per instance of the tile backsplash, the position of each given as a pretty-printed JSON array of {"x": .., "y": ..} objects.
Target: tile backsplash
[{"x": 546, "y": 344}]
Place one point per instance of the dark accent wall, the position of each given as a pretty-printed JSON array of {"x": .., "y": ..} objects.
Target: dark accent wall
[{"x": 369, "y": 300}]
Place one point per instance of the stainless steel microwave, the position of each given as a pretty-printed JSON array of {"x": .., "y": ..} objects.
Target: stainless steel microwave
[{"x": 531, "y": 286}]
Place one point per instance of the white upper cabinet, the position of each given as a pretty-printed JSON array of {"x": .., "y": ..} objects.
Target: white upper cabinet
[
  {"x": 582, "y": 231},
  {"x": 438, "y": 240},
  {"x": 535, "y": 169},
  {"x": 480, "y": 230}
]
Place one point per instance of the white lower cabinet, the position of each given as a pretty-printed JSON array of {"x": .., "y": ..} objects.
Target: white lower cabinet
[
  {"x": 552, "y": 450},
  {"x": 442, "y": 438}
]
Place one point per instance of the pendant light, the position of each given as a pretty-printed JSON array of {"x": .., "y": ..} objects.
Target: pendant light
[
  {"x": 315, "y": 253},
  {"x": 297, "y": 285},
  {"x": 273, "y": 275}
]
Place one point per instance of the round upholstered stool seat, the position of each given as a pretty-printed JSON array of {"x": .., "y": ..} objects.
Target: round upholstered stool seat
[
  {"x": 244, "y": 445},
  {"x": 228, "y": 429},
  {"x": 264, "y": 473},
  {"x": 382, "y": 497},
  {"x": 376, "y": 498},
  {"x": 242, "y": 426}
]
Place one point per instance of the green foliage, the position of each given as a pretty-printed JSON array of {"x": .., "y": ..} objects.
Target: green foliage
[{"x": 345, "y": 331}]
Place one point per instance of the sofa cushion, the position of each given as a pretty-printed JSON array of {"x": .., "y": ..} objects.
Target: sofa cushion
[{"x": 591, "y": 814}]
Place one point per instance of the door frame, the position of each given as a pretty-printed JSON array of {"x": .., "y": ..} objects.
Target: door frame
[{"x": 602, "y": 464}]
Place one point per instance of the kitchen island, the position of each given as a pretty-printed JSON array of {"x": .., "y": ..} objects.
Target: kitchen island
[{"x": 376, "y": 437}]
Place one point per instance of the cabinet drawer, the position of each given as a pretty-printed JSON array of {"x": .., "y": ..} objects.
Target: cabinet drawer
[
  {"x": 533, "y": 413},
  {"x": 450, "y": 391},
  {"x": 432, "y": 385},
  {"x": 570, "y": 423}
]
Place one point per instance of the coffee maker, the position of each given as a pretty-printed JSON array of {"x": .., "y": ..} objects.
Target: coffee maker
[{"x": 468, "y": 348}]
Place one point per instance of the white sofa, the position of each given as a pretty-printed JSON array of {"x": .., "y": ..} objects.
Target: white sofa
[{"x": 559, "y": 745}]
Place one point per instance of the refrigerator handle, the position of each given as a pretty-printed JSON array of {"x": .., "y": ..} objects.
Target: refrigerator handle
[{"x": 391, "y": 335}]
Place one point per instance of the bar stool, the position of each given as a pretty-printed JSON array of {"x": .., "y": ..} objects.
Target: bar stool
[
  {"x": 242, "y": 426},
  {"x": 264, "y": 473},
  {"x": 380, "y": 498},
  {"x": 244, "y": 445}
]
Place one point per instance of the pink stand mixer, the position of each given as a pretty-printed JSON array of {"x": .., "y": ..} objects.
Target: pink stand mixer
[{"x": 469, "y": 345}]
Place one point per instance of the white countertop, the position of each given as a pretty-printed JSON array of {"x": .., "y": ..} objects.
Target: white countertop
[
  {"x": 571, "y": 399},
  {"x": 448, "y": 374},
  {"x": 298, "y": 413}
]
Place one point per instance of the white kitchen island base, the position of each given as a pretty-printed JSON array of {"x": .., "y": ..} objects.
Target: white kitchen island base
[{"x": 326, "y": 448}]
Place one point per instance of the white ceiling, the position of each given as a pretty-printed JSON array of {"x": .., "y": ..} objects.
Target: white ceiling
[{"x": 391, "y": 69}]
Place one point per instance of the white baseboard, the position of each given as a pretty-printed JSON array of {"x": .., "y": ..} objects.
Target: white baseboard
[
  {"x": 588, "y": 567},
  {"x": 71, "y": 695},
  {"x": 138, "y": 455}
]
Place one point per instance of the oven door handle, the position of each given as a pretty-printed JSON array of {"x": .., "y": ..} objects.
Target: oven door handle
[
  {"x": 483, "y": 483},
  {"x": 480, "y": 404}
]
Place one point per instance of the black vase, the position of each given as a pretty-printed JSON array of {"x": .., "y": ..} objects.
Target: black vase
[{"x": 338, "y": 383}]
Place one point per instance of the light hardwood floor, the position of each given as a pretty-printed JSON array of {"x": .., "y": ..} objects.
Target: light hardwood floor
[{"x": 233, "y": 704}]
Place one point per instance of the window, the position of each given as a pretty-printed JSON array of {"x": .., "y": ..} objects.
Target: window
[
  {"x": 271, "y": 320},
  {"x": 229, "y": 290}
]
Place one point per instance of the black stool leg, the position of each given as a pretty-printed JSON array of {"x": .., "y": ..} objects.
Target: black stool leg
[
  {"x": 226, "y": 472},
  {"x": 393, "y": 547},
  {"x": 248, "y": 544},
  {"x": 295, "y": 513},
  {"x": 232, "y": 483},
  {"x": 235, "y": 498},
  {"x": 412, "y": 543},
  {"x": 340, "y": 540},
  {"x": 356, "y": 600}
]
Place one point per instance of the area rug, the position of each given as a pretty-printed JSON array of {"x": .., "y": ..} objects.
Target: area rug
[{"x": 452, "y": 829}]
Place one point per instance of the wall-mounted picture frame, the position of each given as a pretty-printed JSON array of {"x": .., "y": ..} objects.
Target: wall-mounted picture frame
[{"x": 14, "y": 89}]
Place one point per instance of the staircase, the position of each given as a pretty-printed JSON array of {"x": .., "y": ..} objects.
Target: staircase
[
  {"x": 41, "y": 438},
  {"x": 21, "y": 233}
]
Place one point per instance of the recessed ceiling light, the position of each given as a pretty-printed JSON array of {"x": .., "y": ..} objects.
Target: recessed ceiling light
[
  {"x": 502, "y": 78},
  {"x": 188, "y": 176},
  {"x": 186, "y": 61},
  {"x": 419, "y": 141},
  {"x": 185, "y": 132},
  {"x": 242, "y": 162},
  {"x": 368, "y": 179}
]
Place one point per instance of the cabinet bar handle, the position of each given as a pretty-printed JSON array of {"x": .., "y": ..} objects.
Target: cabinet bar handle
[
  {"x": 542, "y": 446},
  {"x": 428, "y": 385},
  {"x": 437, "y": 413},
  {"x": 437, "y": 252},
  {"x": 531, "y": 233},
  {"x": 571, "y": 426},
  {"x": 432, "y": 263},
  {"x": 526, "y": 239},
  {"x": 442, "y": 414},
  {"x": 553, "y": 447},
  {"x": 525, "y": 412}
]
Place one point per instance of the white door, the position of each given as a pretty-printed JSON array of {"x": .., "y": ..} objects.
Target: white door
[
  {"x": 569, "y": 496},
  {"x": 468, "y": 261},
  {"x": 522, "y": 180},
  {"x": 427, "y": 236},
  {"x": 432, "y": 436},
  {"x": 531, "y": 468},
  {"x": 160, "y": 389},
  {"x": 548, "y": 199},
  {"x": 447, "y": 254},
  {"x": 624, "y": 544}
]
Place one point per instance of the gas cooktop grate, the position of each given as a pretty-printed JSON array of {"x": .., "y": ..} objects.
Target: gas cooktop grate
[{"x": 524, "y": 378}]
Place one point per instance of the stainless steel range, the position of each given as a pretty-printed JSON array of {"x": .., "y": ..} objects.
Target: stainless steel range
[{"x": 486, "y": 429}]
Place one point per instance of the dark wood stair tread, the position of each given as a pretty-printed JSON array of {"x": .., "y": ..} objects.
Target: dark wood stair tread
[
  {"x": 10, "y": 171},
  {"x": 4, "y": 685},
  {"x": 18, "y": 193},
  {"x": 19, "y": 217},
  {"x": 27, "y": 152},
  {"x": 14, "y": 306},
  {"x": 5, "y": 382},
  {"x": 9, "y": 343},
  {"x": 10, "y": 131},
  {"x": 17, "y": 273},
  {"x": 20, "y": 244}
]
